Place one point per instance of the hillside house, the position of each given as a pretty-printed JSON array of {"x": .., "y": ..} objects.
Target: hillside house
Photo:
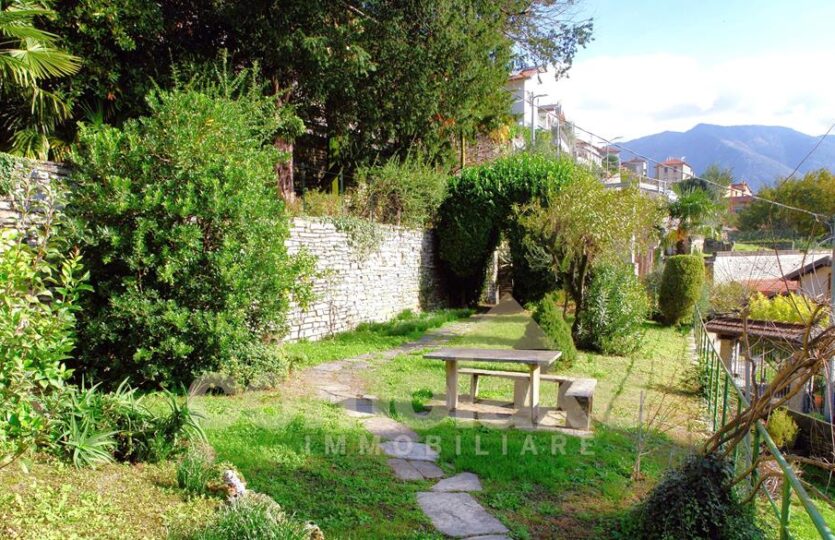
[
  {"x": 814, "y": 279},
  {"x": 673, "y": 170},
  {"x": 739, "y": 196},
  {"x": 636, "y": 166},
  {"x": 587, "y": 154}
]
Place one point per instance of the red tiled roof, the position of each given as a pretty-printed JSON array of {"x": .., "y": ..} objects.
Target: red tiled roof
[
  {"x": 523, "y": 74},
  {"x": 734, "y": 327},
  {"x": 674, "y": 161},
  {"x": 773, "y": 287}
]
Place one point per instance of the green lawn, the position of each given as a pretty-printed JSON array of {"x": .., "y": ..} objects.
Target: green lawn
[{"x": 580, "y": 492}]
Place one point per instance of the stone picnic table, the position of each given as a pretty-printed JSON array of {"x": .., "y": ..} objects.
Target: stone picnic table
[{"x": 536, "y": 360}]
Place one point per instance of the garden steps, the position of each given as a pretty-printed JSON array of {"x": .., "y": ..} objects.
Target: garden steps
[{"x": 448, "y": 504}]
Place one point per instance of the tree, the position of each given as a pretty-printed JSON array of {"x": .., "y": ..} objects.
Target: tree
[
  {"x": 814, "y": 192},
  {"x": 714, "y": 180},
  {"x": 694, "y": 212},
  {"x": 183, "y": 232},
  {"x": 582, "y": 224},
  {"x": 611, "y": 164},
  {"x": 28, "y": 57}
]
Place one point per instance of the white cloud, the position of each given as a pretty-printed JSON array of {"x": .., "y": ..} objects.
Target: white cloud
[{"x": 638, "y": 95}]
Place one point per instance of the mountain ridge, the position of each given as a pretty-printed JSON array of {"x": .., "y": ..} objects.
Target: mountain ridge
[{"x": 757, "y": 154}]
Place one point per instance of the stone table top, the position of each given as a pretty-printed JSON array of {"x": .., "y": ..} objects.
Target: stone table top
[{"x": 513, "y": 356}]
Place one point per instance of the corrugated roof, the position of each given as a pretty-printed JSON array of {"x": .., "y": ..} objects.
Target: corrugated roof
[
  {"x": 734, "y": 327},
  {"x": 811, "y": 267}
]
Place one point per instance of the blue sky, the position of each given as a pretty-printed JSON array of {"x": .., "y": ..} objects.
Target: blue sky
[{"x": 658, "y": 65}]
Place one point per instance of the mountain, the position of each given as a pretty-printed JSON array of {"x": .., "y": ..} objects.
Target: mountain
[{"x": 757, "y": 154}]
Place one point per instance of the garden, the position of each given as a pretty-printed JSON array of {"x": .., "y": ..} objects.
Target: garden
[{"x": 148, "y": 387}]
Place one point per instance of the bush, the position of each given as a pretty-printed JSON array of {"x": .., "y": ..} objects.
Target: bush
[
  {"x": 782, "y": 428},
  {"x": 39, "y": 286},
  {"x": 696, "y": 501},
  {"x": 88, "y": 427},
  {"x": 479, "y": 206},
  {"x": 794, "y": 308},
  {"x": 180, "y": 220},
  {"x": 405, "y": 193},
  {"x": 253, "y": 516},
  {"x": 652, "y": 284},
  {"x": 548, "y": 316},
  {"x": 681, "y": 286},
  {"x": 728, "y": 297},
  {"x": 257, "y": 366},
  {"x": 321, "y": 204},
  {"x": 615, "y": 311}
]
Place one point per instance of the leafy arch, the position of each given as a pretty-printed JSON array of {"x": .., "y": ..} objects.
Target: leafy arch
[{"x": 480, "y": 207}]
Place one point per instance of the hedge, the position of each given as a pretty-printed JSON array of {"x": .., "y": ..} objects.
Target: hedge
[{"x": 681, "y": 286}]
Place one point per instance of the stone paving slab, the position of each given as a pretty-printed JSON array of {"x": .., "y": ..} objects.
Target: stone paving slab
[
  {"x": 407, "y": 449},
  {"x": 427, "y": 469},
  {"x": 465, "y": 481},
  {"x": 459, "y": 515},
  {"x": 490, "y": 537},
  {"x": 404, "y": 470},
  {"x": 388, "y": 429}
]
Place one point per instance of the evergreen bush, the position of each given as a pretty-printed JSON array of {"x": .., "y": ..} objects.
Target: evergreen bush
[
  {"x": 696, "y": 501},
  {"x": 548, "y": 316},
  {"x": 681, "y": 288},
  {"x": 616, "y": 308},
  {"x": 179, "y": 217},
  {"x": 479, "y": 206}
]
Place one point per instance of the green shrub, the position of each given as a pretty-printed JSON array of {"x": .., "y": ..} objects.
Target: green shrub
[
  {"x": 322, "y": 204},
  {"x": 40, "y": 281},
  {"x": 180, "y": 220},
  {"x": 782, "y": 428},
  {"x": 257, "y": 366},
  {"x": 87, "y": 426},
  {"x": 681, "y": 286},
  {"x": 196, "y": 470},
  {"x": 615, "y": 311},
  {"x": 253, "y": 516},
  {"x": 652, "y": 284},
  {"x": 696, "y": 501},
  {"x": 406, "y": 192},
  {"x": 548, "y": 316},
  {"x": 479, "y": 206},
  {"x": 728, "y": 297},
  {"x": 793, "y": 308}
]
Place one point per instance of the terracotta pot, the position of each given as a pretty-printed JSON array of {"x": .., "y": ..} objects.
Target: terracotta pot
[{"x": 818, "y": 402}]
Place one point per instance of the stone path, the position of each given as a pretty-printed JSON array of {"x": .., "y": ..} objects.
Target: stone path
[{"x": 448, "y": 504}]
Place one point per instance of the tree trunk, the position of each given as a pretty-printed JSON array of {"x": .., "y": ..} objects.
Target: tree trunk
[
  {"x": 683, "y": 246},
  {"x": 283, "y": 169}
]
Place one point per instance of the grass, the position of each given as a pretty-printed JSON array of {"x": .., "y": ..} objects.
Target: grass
[
  {"x": 56, "y": 501},
  {"x": 372, "y": 337},
  {"x": 288, "y": 447},
  {"x": 584, "y": 488}
]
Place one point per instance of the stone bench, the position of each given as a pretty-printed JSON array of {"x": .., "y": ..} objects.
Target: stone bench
[{"x": 575, "y": 395}]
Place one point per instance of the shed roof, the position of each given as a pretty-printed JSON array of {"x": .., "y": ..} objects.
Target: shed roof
[{"x": 734, "y": 327}]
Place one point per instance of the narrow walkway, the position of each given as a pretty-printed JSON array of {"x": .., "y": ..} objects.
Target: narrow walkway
[{"x": 448, "y": 504}]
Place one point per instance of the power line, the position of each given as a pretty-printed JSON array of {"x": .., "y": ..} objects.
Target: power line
[
  {"x": 812, "y": 151},
  {"x": 817, "y": 216}
]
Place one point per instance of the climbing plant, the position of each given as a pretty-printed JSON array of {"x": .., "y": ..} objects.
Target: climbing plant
[{"x": 479, "y": 207}]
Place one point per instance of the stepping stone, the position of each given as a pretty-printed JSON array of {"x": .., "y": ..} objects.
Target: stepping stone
[
  {"x": 427, "y": 469},
  {"x": 359, "y": 407},
  {"x": 459, "y": 515},
  {"x": 388, "y": 429},
  {"x": 404, "y": 470},
  {"x": 407, "y": 449},
  {"x": 330, "y": 367},
  {"x": 490, "y": 537},
  {"x": 460, "y": 482}
]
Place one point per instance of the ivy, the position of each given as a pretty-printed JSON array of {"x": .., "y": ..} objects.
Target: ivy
[{"x": 365, "y": 236}]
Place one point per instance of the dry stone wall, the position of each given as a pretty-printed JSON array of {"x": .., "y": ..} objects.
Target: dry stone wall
[
  {"x": 355, "y": 284},
  {"x": 43, "y": 177}
]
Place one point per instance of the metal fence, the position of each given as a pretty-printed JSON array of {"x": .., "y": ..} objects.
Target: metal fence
[{"x": 725, "y": 398}]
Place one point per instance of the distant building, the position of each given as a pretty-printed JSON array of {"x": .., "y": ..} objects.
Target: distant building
[
  {"x": 528, "y": 82},
  {"x": 588, "y": 154},
  {"x": 636, "y": 166},
  {"x": 673, "y": 170},
  {"x": 739, "y": 196},
  {"x": 815, "y": 278}
]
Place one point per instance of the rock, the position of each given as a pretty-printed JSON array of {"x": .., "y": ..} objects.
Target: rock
[
  {"x": 465, "y": 481},
  {"x": 459, "y": 515},
  {"x": 407, "y": 449},
  {"x": 388, "y": 429},
  {"x": 427, "y": 469},
  {"x": 404, "y": 470}
]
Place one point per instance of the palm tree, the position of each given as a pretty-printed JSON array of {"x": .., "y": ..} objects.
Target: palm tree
[
  {"x": 694, "y": 212},
  {"x": 29, "y": 56}
]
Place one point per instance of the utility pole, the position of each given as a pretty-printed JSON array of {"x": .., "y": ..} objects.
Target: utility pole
[
  {"x": 829, "y": 371},
  {"x": 533, "y": 118}
]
